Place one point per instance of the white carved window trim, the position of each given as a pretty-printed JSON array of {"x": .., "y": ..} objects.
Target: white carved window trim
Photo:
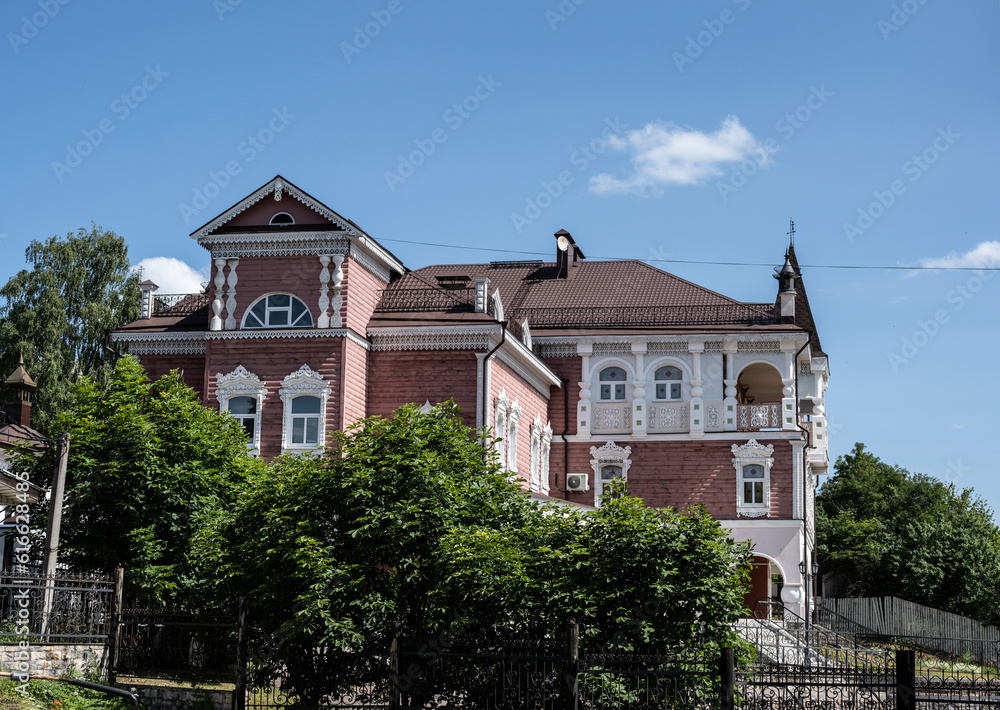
[
  {"x": 512, "y": 425},
  {"x": 305, "y": 319},
  {"x": 608, "y": 455},
  {"x": 241, "y": 383},
  {"x": 612, "y": 385},
  {"x": 500, "y": 426},
  {"x": 544, "y": 456},
  {"x": 656, "y": 383},
  {"x": 534, "y": 477},
  {"x": 304, "y": 381},
  {"x": 753, "y": 453}
]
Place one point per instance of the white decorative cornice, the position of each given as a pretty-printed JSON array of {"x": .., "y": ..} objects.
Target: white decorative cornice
[
  {"x": 433, "y": 337},
  {"x": 228, "y": 246},
  {"x": 272, "y": 333},
  {"x": 709, "y": 338},
  {"x": 187, "y": 343},
  {"x": 752, "y": 451},
  {"x": 611, "y": 451},
  {"x": 277, "y": 187}
]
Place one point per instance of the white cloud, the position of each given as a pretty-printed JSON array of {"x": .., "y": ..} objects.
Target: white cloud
[
  {"x": 982, "y": 256},
  {"x": 665, "y": 154},
  {"x": 172, "y": 275}
]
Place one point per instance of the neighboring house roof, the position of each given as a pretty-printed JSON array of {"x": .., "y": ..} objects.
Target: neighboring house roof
[
  {"x": 189, "y": 314},
  {"x": 15, "y": 436}
]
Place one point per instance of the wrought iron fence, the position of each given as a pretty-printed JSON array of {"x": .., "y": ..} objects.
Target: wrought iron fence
[
  {"x": 156, "y": 643},
  {"x": 80, "y": 610},
  {"x": 179, "y": 304},
  {"x": 414, "y": 300}
]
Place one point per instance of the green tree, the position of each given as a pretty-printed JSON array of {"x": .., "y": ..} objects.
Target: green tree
[
  {"x": 893, "y": 533},
  {"x": 411, "y": 519},
  {"x": 145, "y": 459},
  {"x": 57, "y": 313}
]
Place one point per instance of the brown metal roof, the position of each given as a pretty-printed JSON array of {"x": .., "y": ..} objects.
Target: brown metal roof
[{"x": 190, "y": 313}]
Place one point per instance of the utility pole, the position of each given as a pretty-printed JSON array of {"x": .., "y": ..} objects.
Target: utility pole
[{"x": 52, "y": 534}]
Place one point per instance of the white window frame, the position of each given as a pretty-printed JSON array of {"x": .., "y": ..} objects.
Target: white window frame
[
  {"x": 612, "y": 385},
  {"x": 544, "y": 456},
  {"x": 268, "y": 310},
  {"x": 500, "y": 426},
  {"x": 242, "y": 383},
  {"x": 512, "y": 425},
  {"x": 534, "y": 477},
  {"x": 272, "y": 223},
  {"x": 753, "y": 453},
  {"x": 657, "y": 382},
  {"x": 608, "y": 455},
  {"x": 304, "y": 381}
]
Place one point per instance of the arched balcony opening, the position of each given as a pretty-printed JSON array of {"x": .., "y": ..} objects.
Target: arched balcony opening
[{"x": 758, "y": 398}]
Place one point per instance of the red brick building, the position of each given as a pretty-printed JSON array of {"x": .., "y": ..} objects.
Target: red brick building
[{"x": 586, "y": 371}]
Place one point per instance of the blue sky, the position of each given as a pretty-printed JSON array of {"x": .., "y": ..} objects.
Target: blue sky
[{"x": 648, "y": 130}]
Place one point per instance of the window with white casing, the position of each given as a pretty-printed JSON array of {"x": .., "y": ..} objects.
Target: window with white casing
[
  {"x": 304, "y": 394},
  {"x": 544, "y": 458},
  {"x": 512, "y": 425},
  {"x": 753, "y": 479},
  {"x": 281, "y": 219},
  {"x": 667, "y": 382},
  {"x": 278, "y": 310},
  {"x": 612, "y": 384},
  {"x": 500, "y": 426},
  {"x": 241, "y": 393},
  {"x": 534, "y": 477},
  {"x": 610, "y": 463}
]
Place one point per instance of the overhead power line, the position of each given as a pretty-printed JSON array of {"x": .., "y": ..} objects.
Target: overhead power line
[{"x": 705, "y": 263}]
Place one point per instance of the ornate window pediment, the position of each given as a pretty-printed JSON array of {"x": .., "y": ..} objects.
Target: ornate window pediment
[
  {"x": 611, "y": 462},
  {"x": 304, "y": 394},
  {"x": 753, "y": 479},
  {"x": 242, "y": 394}
]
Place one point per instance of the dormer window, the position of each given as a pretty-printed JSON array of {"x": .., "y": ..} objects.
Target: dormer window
[
  {"x": 668, "y": 382},
  {"x": 613, "y": 384},
  {"x": 278, "y": 310},
  {"x": 281, "y": 219}
]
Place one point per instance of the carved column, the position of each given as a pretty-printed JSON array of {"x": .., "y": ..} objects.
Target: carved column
[
  {"x": 231, "y": 295},
  {"x": 729, "y": 403},
  {"x": 336, "y": 321},
  {"x": 584, "y": 410},
  {"x": 788, "y": 386},
  {"x": 639, "y": 409},
  {"x": 220, "y": 282},
  {"x": 696, "y": 348},
  {"x": 324, "y": 300}
]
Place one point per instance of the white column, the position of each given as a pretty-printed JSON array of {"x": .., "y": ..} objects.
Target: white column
[
  {"x": 231, "y": 295},
  {"x": 584, "y": 410},
  {"x": 220, "y": 282},
  {"x": 696, "y": 348},
  {"x": 639, "y": 409},
  {"x": 147, "y": 305},
  {"x": 729, "y": 413},
  {"x": 482, "y": 293},
  {"x": 324, "y": 300},
  {"x": 337, "y": 301},
  {"x": 788, "y": 386},
  {"x": 798, "y": 490}
]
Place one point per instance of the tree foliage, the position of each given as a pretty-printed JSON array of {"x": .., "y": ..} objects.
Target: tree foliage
[
  {"x": 410, "y": 519},
  {"x": 893, "y": 533},
  {"x": 145, "y": 459},
  {"x": 57, "y": 312}
]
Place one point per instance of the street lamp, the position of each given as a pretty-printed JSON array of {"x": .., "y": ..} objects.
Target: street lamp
[{"x": 808, "y": 577}]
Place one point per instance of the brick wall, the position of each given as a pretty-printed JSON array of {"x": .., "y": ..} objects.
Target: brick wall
[
  {"x": 273, "y": 359},
  {"x": 362, "y": 291},
  {"x": 532, "y": 402},
  {"x": 400, "y": 376},
  {"x": 355, "y": 389},
  {"x": 685, "y": 473},
  {"x": 192, "y": 368},
  {"x": 258, "y": 275}
]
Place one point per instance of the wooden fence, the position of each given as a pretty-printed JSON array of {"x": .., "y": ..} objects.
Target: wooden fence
[{"x": 924, "y": 625}]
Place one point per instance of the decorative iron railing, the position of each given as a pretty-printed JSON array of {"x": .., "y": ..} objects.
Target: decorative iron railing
[
  {"x": 646, "y": 316},
  {"x": 754, "y": 417},
  {"x": 179, "y": 304},
  {"x": 156, "y": 643}
]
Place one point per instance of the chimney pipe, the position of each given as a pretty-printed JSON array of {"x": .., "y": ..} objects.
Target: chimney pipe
[{"x": 786, "y": 291}]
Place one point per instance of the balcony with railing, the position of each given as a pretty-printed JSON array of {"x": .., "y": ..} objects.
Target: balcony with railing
[
  {"x": 667, "y": 418},
  {"x": 611, "y": 418},
  {"x": 758, "y": 417}
]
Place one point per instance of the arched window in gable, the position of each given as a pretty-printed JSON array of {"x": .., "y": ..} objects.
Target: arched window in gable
[{"x": 278, "y": 310}]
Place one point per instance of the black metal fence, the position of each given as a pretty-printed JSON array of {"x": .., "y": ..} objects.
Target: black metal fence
[
  {"x": 156, "y": 643},
  {"x": 80, "y": 609}
]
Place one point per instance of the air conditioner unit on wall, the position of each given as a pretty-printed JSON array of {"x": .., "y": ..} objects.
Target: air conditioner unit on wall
[{"x": 577, "y": 482}]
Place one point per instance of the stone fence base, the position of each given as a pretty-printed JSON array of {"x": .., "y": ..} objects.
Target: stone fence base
[
  {"x": 157, "y": 697},
  {"x": 54, "y": 659}
]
